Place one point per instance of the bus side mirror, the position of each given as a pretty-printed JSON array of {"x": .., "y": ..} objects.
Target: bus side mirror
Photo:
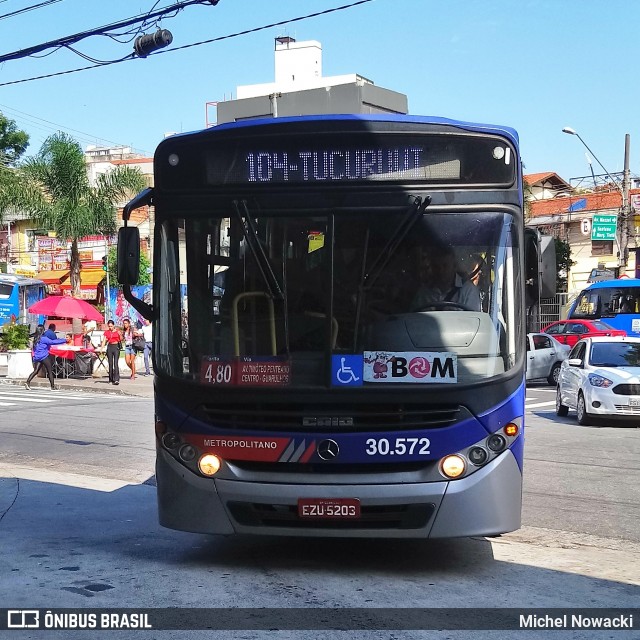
[
  {"x": 540, "y": 265},
  {"x": 547, "y": 267},
  {"x": 128, "y": 255}
]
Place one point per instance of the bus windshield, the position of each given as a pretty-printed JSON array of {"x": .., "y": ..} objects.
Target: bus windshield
[
  {"x": 607, "y": 302},
  {"x": 287, "y": 292}
]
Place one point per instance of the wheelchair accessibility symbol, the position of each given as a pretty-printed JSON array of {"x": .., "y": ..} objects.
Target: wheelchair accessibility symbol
[{"x": 346, "y": 371}]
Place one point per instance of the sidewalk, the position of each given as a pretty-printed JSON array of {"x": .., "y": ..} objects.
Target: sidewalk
[{"x": 141, "y": 387}]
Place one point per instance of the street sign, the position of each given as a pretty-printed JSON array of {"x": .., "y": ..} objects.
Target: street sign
[{"x": 603, "y": 227}]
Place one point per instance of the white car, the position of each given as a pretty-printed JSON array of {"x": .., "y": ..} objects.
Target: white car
[
  {"x": 601, "y": 378},
  {"x": 544, "y": 357}
]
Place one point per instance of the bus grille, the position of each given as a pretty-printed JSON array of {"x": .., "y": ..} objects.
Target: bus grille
[
  {"x": 627, "y": 389},
  {"x": 405, "y": 516},
  {"x": 346, "y": 418}
]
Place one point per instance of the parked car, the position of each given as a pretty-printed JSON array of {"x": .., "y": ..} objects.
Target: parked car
[
  {"x": 570, "y": 331},
  {"x": 601, "y": 377},
  {"x": 544, "y": 357}
]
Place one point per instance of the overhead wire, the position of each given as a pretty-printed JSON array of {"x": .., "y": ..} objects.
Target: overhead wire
[
  {"x": 48, "y": 126},
  {"x": 31, "y": 8},
  {"x": 77, "y": 37},
  {"x": 194, "y": 44}
]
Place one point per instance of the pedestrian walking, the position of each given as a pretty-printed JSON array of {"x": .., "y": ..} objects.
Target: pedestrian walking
[
  {"x": 112, "y": 339},
  {"x": 40, "y": 355}
]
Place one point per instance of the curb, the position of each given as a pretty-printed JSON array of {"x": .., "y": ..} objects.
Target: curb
[{"x": 91, "y": 385}]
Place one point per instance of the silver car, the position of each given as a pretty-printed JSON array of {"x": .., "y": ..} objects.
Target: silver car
[
  {"x": 544, "y": 357},
  {"x": 601, "y": 378}
]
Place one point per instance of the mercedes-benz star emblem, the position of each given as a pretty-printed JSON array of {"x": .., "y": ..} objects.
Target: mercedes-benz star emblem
[{"x": 328, "y": 449}]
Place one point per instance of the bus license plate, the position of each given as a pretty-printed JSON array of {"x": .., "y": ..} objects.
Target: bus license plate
[
  {"x": 634, "y": 402},
  {"x": 329, "y": 508}
]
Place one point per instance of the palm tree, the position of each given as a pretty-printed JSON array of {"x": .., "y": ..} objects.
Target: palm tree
[{"x": 54, "y": 188}]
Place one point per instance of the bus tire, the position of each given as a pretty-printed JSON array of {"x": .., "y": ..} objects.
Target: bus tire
[
  {"x": 581, "y": 409},
  {"x": 561, "y": 409}
]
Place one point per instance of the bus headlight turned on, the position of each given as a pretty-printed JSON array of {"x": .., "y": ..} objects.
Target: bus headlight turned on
[
  {"x": 209, "y": 464},
  {"x": 511, "y": 430},
  {"x": 452, "y": 466}
]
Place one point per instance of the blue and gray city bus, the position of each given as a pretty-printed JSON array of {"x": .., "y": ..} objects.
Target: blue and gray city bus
[
  {"x": 616, "y": 302},
  {"x": 306, "y": 382},
  {"x": 17, "y": 294}
]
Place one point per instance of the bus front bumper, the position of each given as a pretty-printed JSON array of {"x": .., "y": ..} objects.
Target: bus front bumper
[{"x": 486, "y": 503}]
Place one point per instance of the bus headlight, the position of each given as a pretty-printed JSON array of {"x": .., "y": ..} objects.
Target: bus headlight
[
  {"x": 187, "y": 452},
  {"x": 511, "y": 430},
  {"x": 209, "y": 464},
  {"x": 496, "y": 443},
  {"x": 478, "y": 456},
  {"x": 452, "y": 466},
  {"x": 171, "y": 440}
]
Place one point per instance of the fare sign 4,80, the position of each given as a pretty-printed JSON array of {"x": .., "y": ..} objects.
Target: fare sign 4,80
[
  {"x": 246, "y": 371},
  {"x": 410, "y": 366}
]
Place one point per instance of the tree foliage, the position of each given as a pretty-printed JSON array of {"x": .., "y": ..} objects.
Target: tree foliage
[
  {"x": 13, "y": 141},
  {"x": 145, "y": 266},
  {"x": 54, "y": 188},
  {"x": 563, "y": 263}
]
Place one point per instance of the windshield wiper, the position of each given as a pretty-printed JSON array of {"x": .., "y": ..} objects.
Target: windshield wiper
[
  {"x": 414, "y": 212},
  {"x": 253, "y": 242}
]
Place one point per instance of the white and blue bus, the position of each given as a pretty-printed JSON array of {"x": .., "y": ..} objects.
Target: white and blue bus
[
  {"x": 307, "y": 384},
  {"x": 616, "y": 302},
  {"x": 17, "y": 294}
]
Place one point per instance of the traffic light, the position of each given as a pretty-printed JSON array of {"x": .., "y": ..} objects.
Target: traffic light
[{"x": 104, "y": 262}]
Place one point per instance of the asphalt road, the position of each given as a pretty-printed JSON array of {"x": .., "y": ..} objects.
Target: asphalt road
[{"x": 81, "y": 527}]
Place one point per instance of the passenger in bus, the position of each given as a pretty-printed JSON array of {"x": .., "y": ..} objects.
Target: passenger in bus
[
  {"x": 444, "y": 284},
  {"x": 627, "y": 304}
]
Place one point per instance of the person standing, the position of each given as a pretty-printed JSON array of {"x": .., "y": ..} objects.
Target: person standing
[
  {"x": 129, "y": 333},
  {"x": 112, "y": 338},
  {"x": 147, "y": 333},
  {"x": 42, "y": 342}
]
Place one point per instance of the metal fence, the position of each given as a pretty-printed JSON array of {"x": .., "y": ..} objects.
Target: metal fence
[{"x": 551, "y": 309}]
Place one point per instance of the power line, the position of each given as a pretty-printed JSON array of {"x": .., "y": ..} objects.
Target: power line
[
  {"x": 47, "y": 126},
  {"x": 76, "y": 37},
  {"x": 31, "y": 8},
  {"x": 194, "y": 44}
]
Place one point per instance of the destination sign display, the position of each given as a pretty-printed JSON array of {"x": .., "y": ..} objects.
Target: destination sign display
[{"x": 394, "y": 158}]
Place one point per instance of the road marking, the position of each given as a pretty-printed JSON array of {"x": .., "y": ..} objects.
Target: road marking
[
  {"x": 539, "y": 404},
  {"x": 40, "y": 396}
]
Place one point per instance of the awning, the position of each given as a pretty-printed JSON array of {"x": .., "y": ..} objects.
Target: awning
[
  {"x": 88, "y": 278},
  {"x": 53, "y": 277}
]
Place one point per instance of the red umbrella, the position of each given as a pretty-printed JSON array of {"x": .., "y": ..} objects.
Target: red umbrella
[{"x": 65, "y": 307}]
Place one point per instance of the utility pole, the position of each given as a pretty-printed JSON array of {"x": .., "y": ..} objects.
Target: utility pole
[
  {"x": 625, "y": 219},
  {"x": 107, "y": 302},
  {"x": 625, "y": 215}
]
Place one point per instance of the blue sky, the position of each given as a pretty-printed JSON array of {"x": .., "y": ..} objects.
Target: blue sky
[{"x": 535, "y": 65}]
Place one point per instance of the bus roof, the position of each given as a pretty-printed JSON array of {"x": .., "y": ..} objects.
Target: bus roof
[
  {"x": 507, "y": 132},
  {"x": 12, "y": 278},
  {"x": 620, "y": 282}
]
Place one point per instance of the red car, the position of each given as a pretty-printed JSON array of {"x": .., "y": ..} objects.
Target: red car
[{"x": 570, "y": 331}]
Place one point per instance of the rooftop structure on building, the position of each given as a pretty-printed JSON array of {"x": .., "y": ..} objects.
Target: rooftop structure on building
[{"x": 300, "y": 88}]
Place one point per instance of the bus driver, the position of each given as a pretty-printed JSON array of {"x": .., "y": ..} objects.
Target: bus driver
[{"x": 444, "y": 284}]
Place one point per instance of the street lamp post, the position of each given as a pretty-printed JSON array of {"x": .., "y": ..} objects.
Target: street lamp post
[{"x": 625, "y": 214}]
